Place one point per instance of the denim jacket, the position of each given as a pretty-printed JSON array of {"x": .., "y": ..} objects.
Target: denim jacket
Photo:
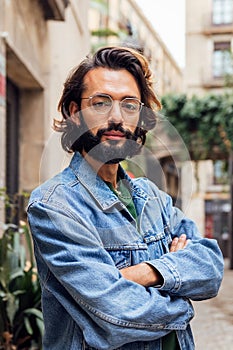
[{"x": 83, "y": 235}]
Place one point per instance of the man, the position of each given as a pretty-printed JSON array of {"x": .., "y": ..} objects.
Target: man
[{"x": 118, "y": 264}]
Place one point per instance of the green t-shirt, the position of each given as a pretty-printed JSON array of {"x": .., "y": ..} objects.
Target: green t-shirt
[
  {"x": 169, "y": 342},
  {"x": 123, "y": 193}
]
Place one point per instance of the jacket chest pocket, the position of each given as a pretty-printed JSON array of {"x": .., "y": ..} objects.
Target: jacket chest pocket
[
  {"x": 128, "y": 255},
  {"x": 158, "y": 244},
  {"x": 153, "y": 247}
]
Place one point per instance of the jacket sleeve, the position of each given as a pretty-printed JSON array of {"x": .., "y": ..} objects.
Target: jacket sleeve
[
  {"x": 195, "y": 272},
  {"x": 91, "y": 288}
]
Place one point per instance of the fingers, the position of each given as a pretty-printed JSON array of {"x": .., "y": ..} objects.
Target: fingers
[{"x": 179, "y": 243}]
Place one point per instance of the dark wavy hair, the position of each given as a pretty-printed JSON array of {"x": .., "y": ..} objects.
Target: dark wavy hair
[{"x": 114, "y": 58}]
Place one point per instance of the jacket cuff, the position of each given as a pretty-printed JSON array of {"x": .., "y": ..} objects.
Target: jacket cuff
[{"x": 171, "y": 277}]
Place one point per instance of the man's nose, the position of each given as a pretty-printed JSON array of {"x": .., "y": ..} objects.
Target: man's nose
[{"x": 115, "y": 114}]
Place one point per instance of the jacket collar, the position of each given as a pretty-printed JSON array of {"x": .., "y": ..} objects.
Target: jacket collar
[{"x": 96, "y": 186}]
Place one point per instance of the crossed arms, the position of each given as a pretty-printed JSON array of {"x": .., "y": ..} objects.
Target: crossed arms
[{"x": 145, "y": 274}]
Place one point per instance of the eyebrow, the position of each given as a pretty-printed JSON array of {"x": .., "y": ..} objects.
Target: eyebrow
[{"x": 125, "y": 96}]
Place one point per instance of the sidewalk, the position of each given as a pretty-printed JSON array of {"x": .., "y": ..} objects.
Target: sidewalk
[{"x": 213, "y": 324}]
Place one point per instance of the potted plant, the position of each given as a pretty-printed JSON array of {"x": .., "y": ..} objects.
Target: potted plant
[{"x": 21, "y": 322}]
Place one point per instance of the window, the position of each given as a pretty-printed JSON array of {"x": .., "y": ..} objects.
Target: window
[
  {"x": 221, "y": 175},
  {"x": 222, "y": 11},
  {"x": 222, "y": 59}
]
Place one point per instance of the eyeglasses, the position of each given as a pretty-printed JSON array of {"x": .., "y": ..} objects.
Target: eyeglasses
[{"x": 102, "y": 104}]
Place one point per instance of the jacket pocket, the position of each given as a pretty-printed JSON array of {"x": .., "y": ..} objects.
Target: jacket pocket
[
  {"x": 127, "y": 255},
  {"x": 121, "y": 258}
]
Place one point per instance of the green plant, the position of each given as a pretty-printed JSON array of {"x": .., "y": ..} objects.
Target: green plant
[
  {"x": 102, "y": 32},
  {"x": 21, "y": 322},
  {"x": 205, "y": 123}
]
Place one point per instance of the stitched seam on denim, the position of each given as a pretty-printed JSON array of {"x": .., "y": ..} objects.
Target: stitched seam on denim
[
  {"x": 123, "y": 323},
  {"x": 58, "y": 205},
  {"x": 140, "y": 218},
  {"x": 142, "y": 191},
  {"x": 128, "y": 324},
  {"x": 105, "y": 206},
  {"x": 112, "y": 200},
  {"x": 126, "y": 247},
  {"x": 48, "y": 273},
  {"x": 155, "y": 238},
  {"x": 176, "y": 275},
  {"x": 50, "y": 190}
]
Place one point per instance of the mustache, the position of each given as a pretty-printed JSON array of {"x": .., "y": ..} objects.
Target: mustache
[{"x": 116, "y": 127}]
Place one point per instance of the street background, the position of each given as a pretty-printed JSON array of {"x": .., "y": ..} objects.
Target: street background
[
  {"x": 190, "y": 156},
  {"x": 213, "y": 323}
]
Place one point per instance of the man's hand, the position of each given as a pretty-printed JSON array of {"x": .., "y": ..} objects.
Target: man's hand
[
  {"x": 145, "y": 274},
  {"x": 179, "y": 243}
]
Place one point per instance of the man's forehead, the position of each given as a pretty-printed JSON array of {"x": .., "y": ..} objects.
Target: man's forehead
[
  {"x": 98, "y": 72},
  {"x": 107, "y": 77}
]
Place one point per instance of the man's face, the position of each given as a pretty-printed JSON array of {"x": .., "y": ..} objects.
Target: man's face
[{"x": 110, "y": 134}]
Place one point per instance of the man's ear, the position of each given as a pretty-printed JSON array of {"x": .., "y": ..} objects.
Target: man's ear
[{"x": 74, "y": 112}]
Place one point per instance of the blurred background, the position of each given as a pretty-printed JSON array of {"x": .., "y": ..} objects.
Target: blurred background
[
  {"x": 189, "y": 154},
  {"x": 41, "y": 41}
]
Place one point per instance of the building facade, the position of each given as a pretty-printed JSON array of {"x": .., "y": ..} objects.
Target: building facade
[
  {"x": 40, "y": 41},
  {"x": 209, "y": 35},
  {"x": 122, "y": 22}
]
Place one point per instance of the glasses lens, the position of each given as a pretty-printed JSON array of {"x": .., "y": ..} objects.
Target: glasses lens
[
  {"x": 130, "y": 105},
  {"x": 101, "y": 103}
]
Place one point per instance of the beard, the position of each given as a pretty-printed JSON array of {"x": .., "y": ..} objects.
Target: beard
[{"x": 110, "y": 151}]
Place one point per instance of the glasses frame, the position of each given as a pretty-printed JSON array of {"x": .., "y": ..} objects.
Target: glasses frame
[{"x": 141, "y": 104}]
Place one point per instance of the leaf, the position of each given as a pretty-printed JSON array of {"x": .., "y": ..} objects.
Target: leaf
[
  {"x": 29, "y": 244},
  {"x": 15, "y": 274},
  {"x": 204, "y": 123},
  {"x": 12, "y": 307},
  {"x": 40, "y": 325},
  {"x": 35, "y": 312},
  {"x": 2, "y": 294},
  {"x": 28, "y": 325},
  {"x": 20, "y": 293}
]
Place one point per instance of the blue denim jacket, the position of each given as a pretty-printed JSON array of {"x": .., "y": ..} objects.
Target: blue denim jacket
[{"x": 83, "y": 235}]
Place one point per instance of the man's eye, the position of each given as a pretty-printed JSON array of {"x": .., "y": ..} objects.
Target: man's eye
[
  {"x": 101, "y": 103},
  {"x": 130, "y": 106}
]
